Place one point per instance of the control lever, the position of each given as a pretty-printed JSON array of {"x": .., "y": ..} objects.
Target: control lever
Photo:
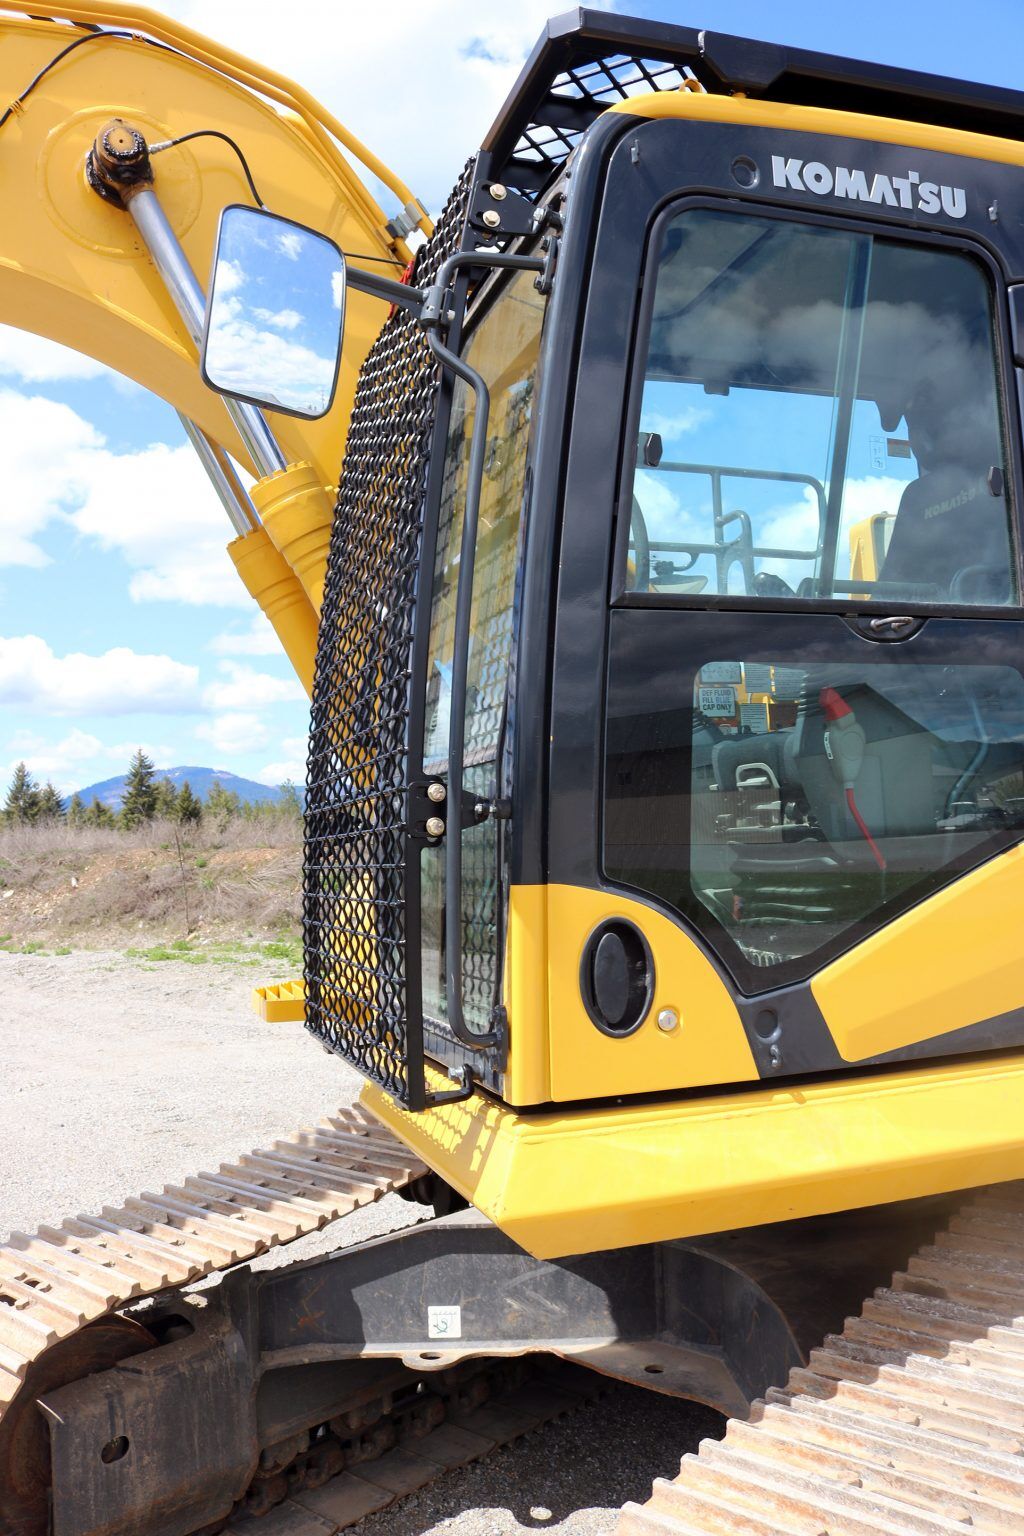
[{"x": 844, "y": 748}]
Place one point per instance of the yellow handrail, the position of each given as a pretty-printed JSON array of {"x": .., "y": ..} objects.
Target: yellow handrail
[{"x": 323, "y": 125}]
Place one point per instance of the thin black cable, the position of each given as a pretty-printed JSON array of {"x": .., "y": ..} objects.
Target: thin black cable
[
  {"x": 197, "y": 133},
  {"x": 90, "y": 37},
  {"x": 213, "y": 133},
  {"x": 385, "y": 261}
]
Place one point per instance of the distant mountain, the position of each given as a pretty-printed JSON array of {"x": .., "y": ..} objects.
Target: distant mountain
[{"x": 111, "y": 791}]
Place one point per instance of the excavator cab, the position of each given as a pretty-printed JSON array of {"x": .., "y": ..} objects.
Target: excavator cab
[{"x": 630, "y": 774}]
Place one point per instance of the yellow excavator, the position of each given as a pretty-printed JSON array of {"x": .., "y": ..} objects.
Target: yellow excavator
[{"x": 647, "y": 534}]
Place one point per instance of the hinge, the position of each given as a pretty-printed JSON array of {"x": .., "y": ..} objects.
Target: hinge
[
  {"x": 427, "y": 810},
  {"x": 425, "y": 807}
]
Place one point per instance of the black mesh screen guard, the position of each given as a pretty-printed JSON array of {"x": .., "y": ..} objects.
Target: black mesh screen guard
[{"x": 360, "y": 909}]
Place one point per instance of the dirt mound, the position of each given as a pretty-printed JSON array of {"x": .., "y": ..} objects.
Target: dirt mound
[{"x": 93, "y": 888}]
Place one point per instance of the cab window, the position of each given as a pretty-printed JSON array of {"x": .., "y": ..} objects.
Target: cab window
[
  {"x": 504, "y": 347},
  {"x": 819, "y": 419}
]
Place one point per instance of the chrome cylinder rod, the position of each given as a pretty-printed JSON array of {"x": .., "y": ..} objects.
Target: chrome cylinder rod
[
  {"x": 190, "y": 301},
  {"x": 230, "y": 491}
]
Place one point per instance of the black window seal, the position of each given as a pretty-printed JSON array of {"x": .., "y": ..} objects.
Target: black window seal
[{"x": 1006, "y": 389}]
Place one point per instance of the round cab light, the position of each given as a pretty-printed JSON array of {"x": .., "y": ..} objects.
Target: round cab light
[{"x": 617, "y": 977}]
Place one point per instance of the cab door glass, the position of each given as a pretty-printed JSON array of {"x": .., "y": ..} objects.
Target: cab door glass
[
  {"x": 504, "y": 347},
  {"x": 819, "y": 419},
  {"x": 789, "y": 802},
  {"x": 819, "y": 425}
]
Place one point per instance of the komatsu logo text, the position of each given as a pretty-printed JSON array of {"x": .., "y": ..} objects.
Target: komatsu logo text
[{"x": 907, "y": 191}]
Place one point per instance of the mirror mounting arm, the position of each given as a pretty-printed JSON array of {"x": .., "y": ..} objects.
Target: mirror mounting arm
[
  {"x": 402, "y": 294},
  {"x": 435, "y": 312},
  {"x": 431, "y": 305}
]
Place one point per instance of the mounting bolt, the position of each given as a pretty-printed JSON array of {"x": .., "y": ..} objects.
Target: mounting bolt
[
  {"x": 436, "y": 792},
  {"x": 668, "y": 1020},
  {"x": 491, "y": 218},
  {"x": 435, "y": 826},
  {"x": 498, "y": 192}
]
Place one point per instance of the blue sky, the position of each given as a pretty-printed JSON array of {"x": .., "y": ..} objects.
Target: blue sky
[{"x": 123, "y": 621}]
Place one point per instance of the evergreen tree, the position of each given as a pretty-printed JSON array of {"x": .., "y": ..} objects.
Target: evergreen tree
[
  {"x": 76, "y": 811},
  {"x": 138, "y": 804},
  {"x": 166, "y": 800},
  {"x": 99, "y": 815},
  {"x": 190, "y": 808},
  {"x": 289, "y": 804},
  {"x": 23, "y": 797},
  {"x": 51, "y": 804},
  {"x": 222, "y": 803}
]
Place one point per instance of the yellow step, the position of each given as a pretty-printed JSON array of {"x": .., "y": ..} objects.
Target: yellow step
[{"x": 281, "y": 1003}]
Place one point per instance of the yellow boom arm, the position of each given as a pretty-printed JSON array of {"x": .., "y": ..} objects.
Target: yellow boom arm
[{"x": 72, "y": 267}]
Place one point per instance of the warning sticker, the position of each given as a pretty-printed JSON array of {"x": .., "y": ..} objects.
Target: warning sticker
[
  {"x": 716, "y": 701},
  {"x": 722, "y": 672},
  {"x": 444, "y": 1322}
]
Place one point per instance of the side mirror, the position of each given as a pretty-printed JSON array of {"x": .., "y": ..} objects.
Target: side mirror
[{"x": 275, "y": 313}]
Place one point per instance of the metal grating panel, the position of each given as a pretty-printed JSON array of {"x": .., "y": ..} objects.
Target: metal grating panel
[
  {"x": 360, "y": 930},
  {"x": 576, "y": 97}
]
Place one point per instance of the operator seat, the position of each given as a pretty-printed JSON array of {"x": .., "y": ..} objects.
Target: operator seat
[
  {"x": 951, "y": 533},
  {"x": 895, "y": 788}
]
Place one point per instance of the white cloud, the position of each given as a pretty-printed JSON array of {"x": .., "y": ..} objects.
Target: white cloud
[
  {"x": 283, "y": 320},
  {"x": 796, "y": 526},
  {"x": 289, "y": 243},
  {"x": 291, "y": 765},
  {"x": 259, "y": 639},
  {"x": 464, "y": 54},
  {"x": 231, "y": 734},
  {"x": 242, "y": 688},
  {"x": 672, "y": 428},
  {"x": 48, "y": 456},
  {"x": 337, "y": 288},
  {"x": 76, "y": 759},
  {"x": 118, "y": 682},
  {"x": 155, "y": 507},
  {"x": 37, "y": 360},
  {"x": 59, "y": 761},
  {"x": 246, "y": 357},
  {"x": 230, "y": 277}
]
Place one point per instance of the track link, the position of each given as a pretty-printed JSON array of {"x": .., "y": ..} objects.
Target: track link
[
  {"x": 909, "y": 1423},
  {"x": 485, "y": 1405},
  {"x": 58, "y": 1279}
]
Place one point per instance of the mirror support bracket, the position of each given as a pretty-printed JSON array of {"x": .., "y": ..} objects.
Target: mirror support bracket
[{"x": 402, "y": 294}]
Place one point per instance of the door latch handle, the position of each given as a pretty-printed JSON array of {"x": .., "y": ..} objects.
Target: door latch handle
[
  {"x": 894, "y": 624},
  {"x": 886, "y": 626}
]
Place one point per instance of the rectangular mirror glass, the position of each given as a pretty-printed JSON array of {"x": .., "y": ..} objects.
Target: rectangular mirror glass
[{"x": 275, "y": 313}]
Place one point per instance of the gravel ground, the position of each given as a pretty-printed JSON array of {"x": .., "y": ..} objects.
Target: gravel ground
[{"x": 119, "y": 1077}]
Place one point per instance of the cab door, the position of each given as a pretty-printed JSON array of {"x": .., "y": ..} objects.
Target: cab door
[{"x": 810, "y": 772}]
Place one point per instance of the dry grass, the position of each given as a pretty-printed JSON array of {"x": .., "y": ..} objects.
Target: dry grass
[{"x": 96, "y": 887}]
